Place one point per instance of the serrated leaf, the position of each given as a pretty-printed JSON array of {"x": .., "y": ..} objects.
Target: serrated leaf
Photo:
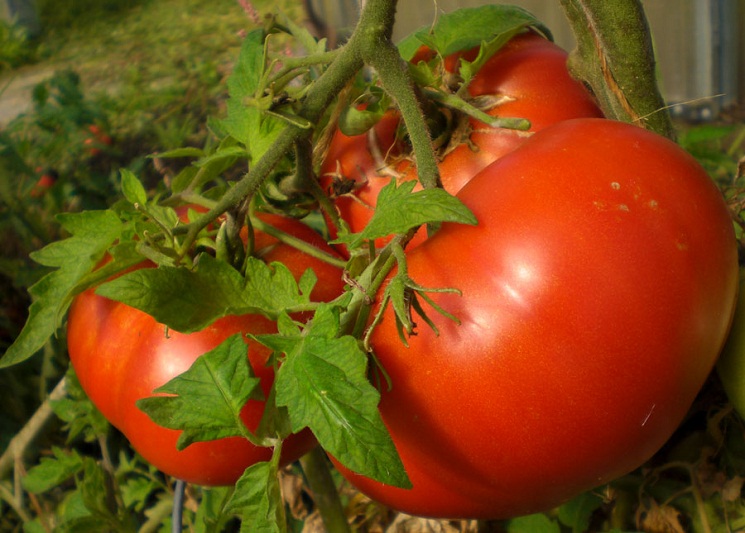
[
  {"x": 467, "y": 28},
  {"x": 92, "y": 232},
  {"x": 205, "y": 402},
  {"x": 323, "y": 383},
  {"x": 399, "y": 210},
  {"x": 245, "y": 122},
  {"x": 258, "y": 499},
  {"x": 132, "y": 188},
  {"x": 52, "y": 471},
  {"x": 189, "y": 300}
]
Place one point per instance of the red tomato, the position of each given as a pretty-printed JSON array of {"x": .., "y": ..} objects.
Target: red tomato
[
  {"x": 121, "y": 355},
  {"x": 528, "y": 78},
  {"x": 597, "y": 291},
  {"x": 43, "y": 184},
  {"x": 99, "y": 139}
]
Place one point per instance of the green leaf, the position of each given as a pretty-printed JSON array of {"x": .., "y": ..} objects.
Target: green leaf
[
  {"x": 258, "y": 498},
  {"x": 96, "y": 494},
  {"x": 245, "y": 120},
  {"x": 534, "y": 523},
  {"x": 52, "y": 471},
  {"x": 225, "y": 156},
  {"x": 323, "y": 383},
  {"x": 365, "y": 112},
  {"x": 399, "y": 210},
  {"x": 188, "y": 151},
  {"x": 92, "y": 232},
  {"x": 577, "y": 512},
  {"x": 205, "y": 402},
  {"x": 189, "y": 300},
  {"x": 132, "y": 189},
  {"x": 467, "y": 28}
]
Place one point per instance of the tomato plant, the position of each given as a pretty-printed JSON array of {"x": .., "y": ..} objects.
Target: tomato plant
[
  {"x": 121, "y": 354},
  {"x": 731, "y": 365},
  {"x": 527, "y": 78},
  {"x": 597, "y": 291}
]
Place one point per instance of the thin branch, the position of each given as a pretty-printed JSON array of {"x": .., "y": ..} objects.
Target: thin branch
[{"x": 31, "y": 430}]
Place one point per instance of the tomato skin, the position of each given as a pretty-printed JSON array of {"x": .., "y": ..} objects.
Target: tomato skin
[
  {"x": 121, "y": 355},
  {"x": 597, "y": 291},
  {"x": 529, "y": 74}
]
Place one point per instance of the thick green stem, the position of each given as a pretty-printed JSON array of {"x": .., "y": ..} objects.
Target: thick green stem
[
  {"x": 614, "y": 56},
  {"x": 394, "y": 75},
  {"x": 325, "y": 494},
  {"x": 375, "y": 26}
]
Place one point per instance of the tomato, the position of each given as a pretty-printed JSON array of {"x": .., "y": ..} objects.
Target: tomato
[
  {"x": 528, "y": 78},
  {"x": 46, "y": 181},
  {"x": 731, "y": 364},
  {"x": 597, "y": 291},
  {"x": 121, "y": 355},
  {"x": 99, "y": 138}
]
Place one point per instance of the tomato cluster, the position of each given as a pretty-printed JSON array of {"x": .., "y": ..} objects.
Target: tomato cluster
[
  {"x": 121, "y": 355},
  {"x": 527, "y": 78},
  {"x": 596, "y": 292}
]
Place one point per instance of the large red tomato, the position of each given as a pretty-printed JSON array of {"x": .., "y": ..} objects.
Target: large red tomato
[
  {"x": 527, "y": 78},
  {"x": 121, "y": 355},
  {"x": 597, "y": 291}
]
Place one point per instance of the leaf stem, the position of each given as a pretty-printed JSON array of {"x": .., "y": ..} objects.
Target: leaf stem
[
  {"x": 325, "y": 494},
  {"x": 32, "y": 429},
  {"x": 300, "y": 244}
]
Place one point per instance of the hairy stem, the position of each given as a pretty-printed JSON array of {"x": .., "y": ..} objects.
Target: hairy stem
[
  {"x": 376, "y": 22},
  {"x": 614, "y": 56}
]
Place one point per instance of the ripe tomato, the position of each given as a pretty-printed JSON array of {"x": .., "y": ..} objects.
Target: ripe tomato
[
  {"x": 597, "y": 291},
  {"x": 98, "y": 139},
  {"x": 121, "y": 355},
  {"x": 46, "y": 181},
  {"x": 527, "y": 78}
]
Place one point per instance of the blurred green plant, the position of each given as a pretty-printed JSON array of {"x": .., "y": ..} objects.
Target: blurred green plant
[{"x": 16, "y": 48}]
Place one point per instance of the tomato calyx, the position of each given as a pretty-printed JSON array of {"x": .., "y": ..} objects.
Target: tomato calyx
[{"x": 403, "y": 294}]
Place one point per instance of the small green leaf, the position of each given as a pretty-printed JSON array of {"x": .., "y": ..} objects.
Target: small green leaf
[
  {"x": 258, "y": 498},
  {"x": 132, "y": 189},
  {"x": 205, "y": 402},
  {"x": 189, "y": 300},
  {"x": 188, "y": 151},
  {"x": 52, "y": 471},
  {"x": 364, "y": 113},
  {"x": 183, "y": 299},
  {"x": 323, "y": 383},
  {"x": 92, "y": 232},
  {"x": 534, "y": 523},
  {"x": 467, "y": 28},
  {"x": 577, "y": 512},
  {"x": 399, "y": 210},
  {"x": 227, "y": 155},
  {"x": 245, "y": 121}
]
